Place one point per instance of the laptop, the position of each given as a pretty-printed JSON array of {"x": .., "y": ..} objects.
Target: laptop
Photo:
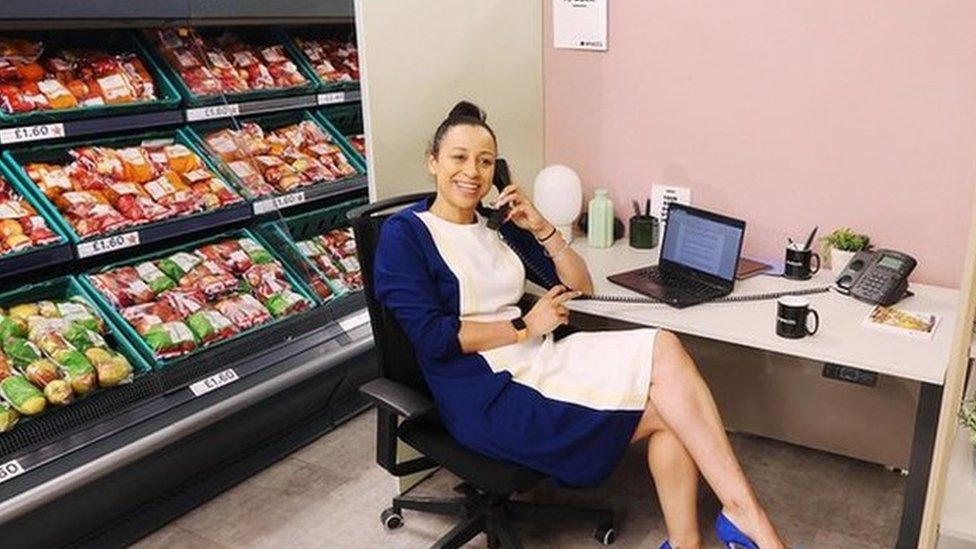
[{"x": 699, "y": 255}]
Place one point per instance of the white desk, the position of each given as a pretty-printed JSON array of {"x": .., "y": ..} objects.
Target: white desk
[{"x": 841, "y": 340}]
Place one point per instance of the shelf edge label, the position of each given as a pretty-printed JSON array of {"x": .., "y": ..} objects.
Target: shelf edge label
[
  {"x": 331, "y": 98},
  {"x": 214, "y": 382},
  {"x": 10, "y": 469},
  {"x": 278, "y": 202},
  {"x": 32, "y": 133},
  {"x": 213, "y": 111},
  {"x": 108, "y": 244},
  {"x": 354, "y": 320}
]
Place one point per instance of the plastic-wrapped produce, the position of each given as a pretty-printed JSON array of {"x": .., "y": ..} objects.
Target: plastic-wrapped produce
[
  {"x": 170, "y": 339},
  {"x": 209, "y": 325},
  {"x": 333, "y": 60},
  {"x": 76, "y": 370},
  {"x": 113, "y": 368},
  {"x": 20, "y": 225},
  {"x": 243, "y": 310},
  {"x": 22, "y": 395},
  {"x": 8, "y": 417}
]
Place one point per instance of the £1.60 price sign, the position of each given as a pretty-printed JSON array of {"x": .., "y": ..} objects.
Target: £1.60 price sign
[
  {"x": 215, "y": 111},
  {"x": 39, "y": 132},
  {"x": 214, "y": 382},
  {"x": 108, "y": 244},
  {"x": 10, "y": 469}
]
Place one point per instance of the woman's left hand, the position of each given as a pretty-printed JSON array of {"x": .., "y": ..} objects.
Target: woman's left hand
[{"x": 523, "y": 212}]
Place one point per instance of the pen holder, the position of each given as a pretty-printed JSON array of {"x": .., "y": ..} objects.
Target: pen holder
[{"x": 643, "y": 232}]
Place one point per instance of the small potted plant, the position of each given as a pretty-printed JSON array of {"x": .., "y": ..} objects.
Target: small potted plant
[{"x": 843, "y": 244}]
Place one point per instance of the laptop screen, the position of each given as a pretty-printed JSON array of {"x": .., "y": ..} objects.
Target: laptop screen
[{"x": 702, "y": 241}]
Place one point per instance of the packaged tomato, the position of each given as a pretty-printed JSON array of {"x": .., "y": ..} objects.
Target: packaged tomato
[
  {"x": 212, "y": 279},
  {"x": 123, "y": 287},
  {"x": 209, "y": 325},
  {"x": 184, "y": 300},
  {"x": 244, "y": 310}
]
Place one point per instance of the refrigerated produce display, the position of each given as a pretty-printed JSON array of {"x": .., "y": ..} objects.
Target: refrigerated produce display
[{"x": 160, "y": 326}]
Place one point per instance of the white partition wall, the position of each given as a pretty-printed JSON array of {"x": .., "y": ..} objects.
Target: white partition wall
[{"x": 419, "y": 58}]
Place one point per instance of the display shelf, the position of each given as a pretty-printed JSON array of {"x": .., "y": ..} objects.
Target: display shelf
[
  {"x": 230, "y": 108},
  {"x": 312, "y": 196},
  {"x": 50, "y": 471},
  {"x": 67, "y": 129}
]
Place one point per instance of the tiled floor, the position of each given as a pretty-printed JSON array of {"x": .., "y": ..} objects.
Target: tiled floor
[{"x": 330, "y": 494}]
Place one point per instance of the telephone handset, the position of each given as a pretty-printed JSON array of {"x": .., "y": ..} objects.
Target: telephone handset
[
  {"x": 501, "y": 180},
  {"x": 877, "y": 276}
]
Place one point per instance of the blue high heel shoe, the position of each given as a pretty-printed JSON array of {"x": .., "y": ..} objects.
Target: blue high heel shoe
[
  {"x": 730, "y": 535},
  {"x": 665, "y": 545}
]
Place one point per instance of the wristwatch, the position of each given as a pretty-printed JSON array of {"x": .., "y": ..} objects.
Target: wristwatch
[{"x": 521, "y": 330}]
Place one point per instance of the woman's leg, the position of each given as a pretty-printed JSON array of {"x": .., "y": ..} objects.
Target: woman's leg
[
  {"x": 675, "y": 479},
  {"x": 685, "y": 404}
]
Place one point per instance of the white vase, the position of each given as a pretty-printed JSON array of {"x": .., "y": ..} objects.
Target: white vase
[
  {"x": 839, "y": 259},
  {"x": 558, "y": 195}
]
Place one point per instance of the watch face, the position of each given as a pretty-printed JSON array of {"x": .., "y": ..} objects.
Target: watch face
[{"x": 518, "y": 323}]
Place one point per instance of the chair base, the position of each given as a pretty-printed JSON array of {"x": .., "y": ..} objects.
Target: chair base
[{"x": 494, "y": 515}]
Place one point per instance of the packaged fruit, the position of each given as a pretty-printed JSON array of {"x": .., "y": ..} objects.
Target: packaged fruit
[
  {"x": 244, "y": 310},
  {"x": 59, "y": 392},
  {"x": 184, "y": 301},
  {"x": 76, "y": 370},
  {"x": 210, "y": 278},
  {"x": 156, "y": 279},
  {"x": 177, "y": 265},
  {"x": 8, "y": 417},
  {"x": 81, "y": 337},
  {"x": 20, "y": 226},
  {"x": 209, "y": 325},
  {"x": 333, "y": 60},
  {"x": 255, "y": 251},
  {"x": 12, "y": 326},
  {"x": 123, "y": 286},
  {"x": 6, "y": 367},
  {"x": 21, "y": 351},
  {"x": 286, "y": 302},
  {"x": 22, "y": 395},
  {"x": 113, "y": 368},
  {"x": 170, "y": 339}
]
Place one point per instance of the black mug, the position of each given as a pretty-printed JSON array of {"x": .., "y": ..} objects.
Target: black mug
[
  {"x": 798, "y": 263},
  {"x": 793, "y": 315}
]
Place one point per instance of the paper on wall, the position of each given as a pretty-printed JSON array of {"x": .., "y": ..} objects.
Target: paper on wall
[{"x": 580, "y": 24}]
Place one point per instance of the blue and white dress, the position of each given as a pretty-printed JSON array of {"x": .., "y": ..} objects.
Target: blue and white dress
[{"x": 567, "y": 409}]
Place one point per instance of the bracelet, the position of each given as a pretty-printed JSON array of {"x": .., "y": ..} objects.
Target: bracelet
[
  {"x": 550, "y": 235},
  {"x": 557, "y": 254}
]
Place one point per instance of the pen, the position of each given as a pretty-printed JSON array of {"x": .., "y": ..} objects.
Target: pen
[
  {"x": 790, "y": 240},
  {"x": 636, "y": 207},
  {"x": 647, "y": 207},
  {"x": 810, "y": 238}
]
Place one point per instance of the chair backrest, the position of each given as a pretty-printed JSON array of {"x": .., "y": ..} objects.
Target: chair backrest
[{"x": 397, "y": 360}]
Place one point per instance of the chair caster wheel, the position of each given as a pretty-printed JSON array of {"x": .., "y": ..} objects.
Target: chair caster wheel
[
  {"x": 606, "y": 535},
  {"x": 391, "y": 518}
]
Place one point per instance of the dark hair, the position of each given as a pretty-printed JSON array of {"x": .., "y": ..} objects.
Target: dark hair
[{"x": 464, "y": 113}]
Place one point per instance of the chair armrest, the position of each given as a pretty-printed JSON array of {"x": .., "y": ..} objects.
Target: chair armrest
[{"x": 397, "y": 398}]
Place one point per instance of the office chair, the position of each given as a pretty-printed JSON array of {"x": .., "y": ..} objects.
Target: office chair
[{"x": 406, "y": 411}]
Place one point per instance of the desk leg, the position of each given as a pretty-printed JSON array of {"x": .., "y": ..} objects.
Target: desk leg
[{"x": 919, "y": 464}]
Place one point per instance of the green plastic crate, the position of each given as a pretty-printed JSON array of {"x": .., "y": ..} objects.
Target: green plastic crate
[
  {"x": 196, "y": 132},
  {"x": 258, "y": 37},
  {"x": 68, "y": 286},
  {"x": 147, "y": 353},
  {"x": 15, "y": 160},
  {"x": 344, "y": 120},
  {"x": 284, "y": 235},
  {"x": 112, "y": 41},
  {"x": 17, "y": 185},
  {"x": 339, "y": 32}
]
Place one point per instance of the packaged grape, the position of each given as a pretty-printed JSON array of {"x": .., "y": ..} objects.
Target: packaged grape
[
  {"x": 209, "y": 325},
  {"x": 286, "y": 302},
  {"x": 177, "y": 265},
  {"x": 20, "y": 351},
  {"x": 244, "y": 310},
  {"x": 184, "y": 301},
  {"x": 76, "y": 370},
  {"x": 255, "y": 251},
  {"x": 154, "y": 277},
  {"x": 82, "y": 338},
  {"x": 229, "y": 254},
  {"x": 22, "y": 395},
  {"x": 170, "y": 339},
  {"x": 112, "y": 367},
  {"x": 8, "y": 417},
  {"x": 266, "y": 280},
  {"x": 123, "y": 287}
]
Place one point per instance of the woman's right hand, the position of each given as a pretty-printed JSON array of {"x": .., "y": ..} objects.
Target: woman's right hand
[{"x": 549, "y": 312}]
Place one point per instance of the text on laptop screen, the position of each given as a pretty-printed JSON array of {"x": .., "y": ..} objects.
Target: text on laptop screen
[{"x": 701, "y": 243}]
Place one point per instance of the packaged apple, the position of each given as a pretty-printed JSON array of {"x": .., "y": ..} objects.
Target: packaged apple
[
  {"x": 20, "y": 225},
  {"x": 155, "y": 278},
  {"x": 170, "y": 339},
  {"x": 123, "y": 286},
  {"x": 229, "y": 254},
  {"x": 211, "y": 279},
  {"x": 333, "y": 60},
  {"x": 22, "y": 395},
  {"x": 183, "y": 301},
  {"x": 358, "y": 142},
  {"x": 209, "y": 325},
  {"x": 266, "y": 280},
  {"x": 255, "y": 251},
  {"x": 177, "y": 265},
  {"x": 244, "y": 310}
]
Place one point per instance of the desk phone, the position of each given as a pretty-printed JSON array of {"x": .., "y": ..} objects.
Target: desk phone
[{"x": 877, "y": 276}]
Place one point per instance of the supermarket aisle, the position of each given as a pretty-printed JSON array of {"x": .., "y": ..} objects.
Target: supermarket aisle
[{"x": 330, "y": 493}]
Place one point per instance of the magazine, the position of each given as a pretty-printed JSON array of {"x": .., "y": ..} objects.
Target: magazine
[{"x": 895, "y": 320}]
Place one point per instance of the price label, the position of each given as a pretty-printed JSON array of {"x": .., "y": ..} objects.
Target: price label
[
  {"x": 278, "y": 202},
  {"x": 108, "y": 244},
  {"x": 331, "y": 98},
  {"x": 31, "y": 133},
  {"x": 215, "y": 111},
  {"x": 10, "y": 470},
  {"x": 354, "y": 321},
  {"x": 353, "y": 95},
  {"x": 214, "y": 382}
]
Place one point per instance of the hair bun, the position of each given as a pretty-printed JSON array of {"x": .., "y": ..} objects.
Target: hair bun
[{"x": 467, "y": 109}]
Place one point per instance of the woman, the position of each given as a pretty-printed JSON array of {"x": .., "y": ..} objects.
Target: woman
[{"x": 505, "y": 388}]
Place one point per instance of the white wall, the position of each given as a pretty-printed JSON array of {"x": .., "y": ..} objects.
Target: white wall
[{"x": 420, "y": 57}]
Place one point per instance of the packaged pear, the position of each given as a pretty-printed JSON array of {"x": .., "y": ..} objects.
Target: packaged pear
[
  {"x": 59, "y": 392},
  {"x": 48, "y": 309},
  {"x": 22, "y": 395},
  {"x": 44, "y": 374},
  {"x": 52, "y": 342},
  {"x": 21, "y": 351},
  {"x": 76, "y": 370},
  {"x": 113, "y": 368},
  {"x": 81, "y": 337},
  {"x": 12, "y": 326},
  {"x": 8, "y": 417},
  {"x": 24, "y": 310},
  {"x": 77, "y": 309}
]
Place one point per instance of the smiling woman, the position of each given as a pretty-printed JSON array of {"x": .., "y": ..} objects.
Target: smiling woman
[{"x": 505, "y": 387}]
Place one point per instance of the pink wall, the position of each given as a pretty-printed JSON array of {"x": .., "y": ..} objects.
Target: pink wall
[{"x": 786, "y": 114}]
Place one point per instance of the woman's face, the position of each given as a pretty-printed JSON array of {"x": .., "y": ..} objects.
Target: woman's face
[{"x": 464, "y": 166}]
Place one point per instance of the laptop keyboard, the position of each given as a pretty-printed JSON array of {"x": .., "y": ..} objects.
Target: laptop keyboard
[{"x": 676, "y": 282}]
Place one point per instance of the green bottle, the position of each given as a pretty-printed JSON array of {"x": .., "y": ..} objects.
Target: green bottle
[{"x": 599, "y": 222}]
